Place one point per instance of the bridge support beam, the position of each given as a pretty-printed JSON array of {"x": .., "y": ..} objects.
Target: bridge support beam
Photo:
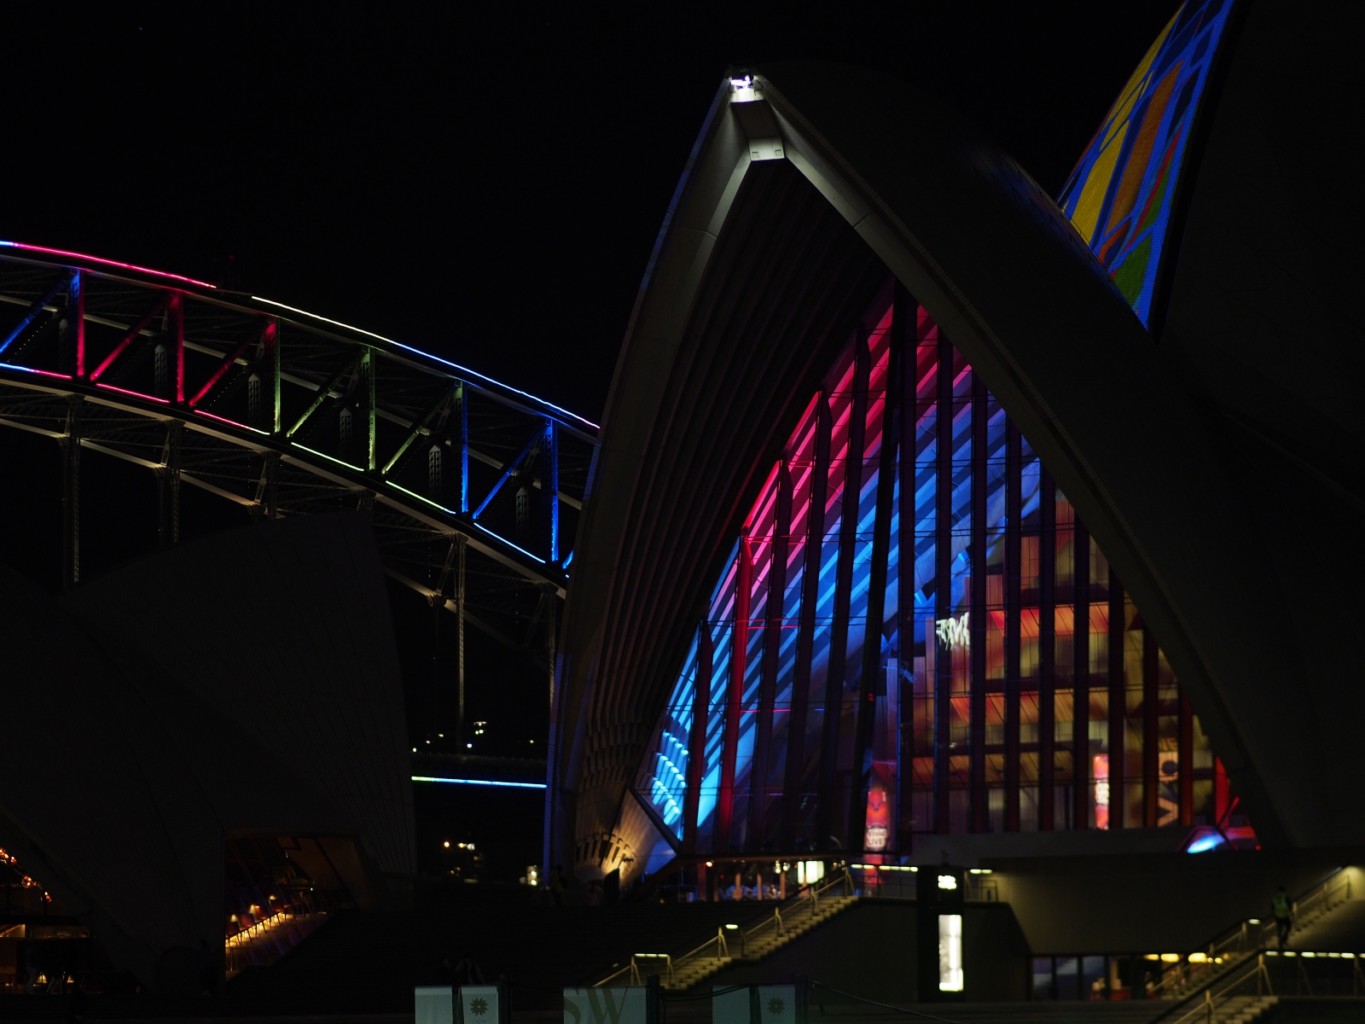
[
  {"x": 71, "y": 493},
  {"x": 168, "y": 487}
]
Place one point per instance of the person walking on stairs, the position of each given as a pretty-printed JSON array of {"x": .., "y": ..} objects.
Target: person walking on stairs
[{"x": 1284, "y": 916}]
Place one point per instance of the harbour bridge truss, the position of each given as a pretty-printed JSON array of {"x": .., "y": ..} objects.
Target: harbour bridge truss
[{"x": 472, "y": 486}]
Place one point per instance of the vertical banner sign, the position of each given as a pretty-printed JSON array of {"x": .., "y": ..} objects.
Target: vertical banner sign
[
  {"x": 939, "y": 933},
  {"x": 431, "y": 1004},
  {"x": 950, "y": 952},
  {"x": 758, "y": 1004},
  {"x": 478, "y": 1004},
  {"x": 605, "y": 1005}
]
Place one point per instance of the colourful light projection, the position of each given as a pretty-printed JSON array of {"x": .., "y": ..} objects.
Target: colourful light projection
[
  {"x": 915, "y": 635},
  {"x": 1120, "y": 195}
]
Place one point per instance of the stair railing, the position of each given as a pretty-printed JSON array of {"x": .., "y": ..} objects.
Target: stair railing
[
  {"x": 806, "y": 904},
  {"x": 1205, "y": 1004},
  {"x": 622, "y": 976},
  {"x": 637, "y": 977},
  {"x": 1328, "y": 893},
  {"x": 1258, "y": 932},
  {"x": 773, "y": 921}
]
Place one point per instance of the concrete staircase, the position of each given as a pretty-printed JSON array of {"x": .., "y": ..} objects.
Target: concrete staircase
[
  {"x": 1197, "y": 976},
  {"x": 266, "y": 943},
  {"x": 1244, "y": 1009},
  {"x": 1326, "y": 919},
  {"x": 787, "y": 924}
]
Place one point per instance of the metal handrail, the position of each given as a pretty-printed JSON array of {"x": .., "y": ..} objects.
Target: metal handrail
[
  {"x": 717, "y": 947},
  {"x": 626, "y": 970},
  {"x": 1259, "y": 932},
  {"x": 636, "y": 978},
  {"x": 1255, "y": 935},
  {"x": 722, "y": 949},
  {"x": 807, "y": 899},
  {"x": 1307, "y": 905},
  {"x": 774, "y": 919},
  {"x": 1204, "y": 1002}
]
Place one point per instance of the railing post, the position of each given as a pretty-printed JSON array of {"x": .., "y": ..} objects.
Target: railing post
[
  {"x": 653, "y": 996},
  {"x": 722, "y": 948},
  {"x": 1208, "y": 1006},
  {"x": 1262, "y": 974},
  {"x": 1304, "y": 979},
  {"x": 777, "y": 915}
]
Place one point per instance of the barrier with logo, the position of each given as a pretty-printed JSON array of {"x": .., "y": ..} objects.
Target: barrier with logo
[
  {"x": 470, "y": 1004},
  {"x": 633, "y": 1004},
  {"x": 757, "y": 1004}
]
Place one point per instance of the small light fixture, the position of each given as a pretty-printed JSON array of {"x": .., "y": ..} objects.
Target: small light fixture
[{"x": 743, "y": 89}]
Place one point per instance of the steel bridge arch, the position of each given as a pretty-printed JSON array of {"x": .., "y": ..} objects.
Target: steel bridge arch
[{"x": 470, "y": 483}]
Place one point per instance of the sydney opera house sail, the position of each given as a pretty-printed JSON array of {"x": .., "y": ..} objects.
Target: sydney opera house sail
[{"x": 916, "y": 634}]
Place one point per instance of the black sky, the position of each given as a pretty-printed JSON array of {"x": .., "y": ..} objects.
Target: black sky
[{"x": 485, "y": 183}]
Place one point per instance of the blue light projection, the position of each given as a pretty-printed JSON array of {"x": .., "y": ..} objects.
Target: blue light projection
[
  {"x": 926, "y": 733},
  {"x": 1120, "y": 198}
]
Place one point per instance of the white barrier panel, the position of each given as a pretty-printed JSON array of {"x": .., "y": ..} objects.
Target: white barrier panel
[
  {"x": 478, "y": 1005},
  {"x": 776, "y": 1005},
  {"x": 431, "y": 1004},
  {"x": 605, "y": 1005}
]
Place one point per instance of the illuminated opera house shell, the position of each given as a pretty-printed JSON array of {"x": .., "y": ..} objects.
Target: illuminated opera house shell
[{"x": 933, "y": 514}]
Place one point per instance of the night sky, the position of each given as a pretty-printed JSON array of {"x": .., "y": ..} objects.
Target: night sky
[{"x": 485, "y": 183}]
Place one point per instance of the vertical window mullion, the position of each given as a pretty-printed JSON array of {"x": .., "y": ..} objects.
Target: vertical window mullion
[
  {"x": 1118, "y": 699},
  {"x": 832, "y": 773},
  {"x": 976, "y": 703},
  {"x": 1047, "y": 648},
  {"x": 1080, "y": 676},
  {"x": 1014, "y": 488},
  {"x": 696, "y": 742},
  {"x": 805, "y": 642}
]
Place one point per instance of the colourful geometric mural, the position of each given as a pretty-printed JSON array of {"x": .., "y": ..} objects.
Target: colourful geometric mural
[{"x": 1120, "y": 195}]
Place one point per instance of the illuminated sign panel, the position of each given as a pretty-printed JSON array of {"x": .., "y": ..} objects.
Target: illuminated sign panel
[{"x": 949, "y": 951}]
